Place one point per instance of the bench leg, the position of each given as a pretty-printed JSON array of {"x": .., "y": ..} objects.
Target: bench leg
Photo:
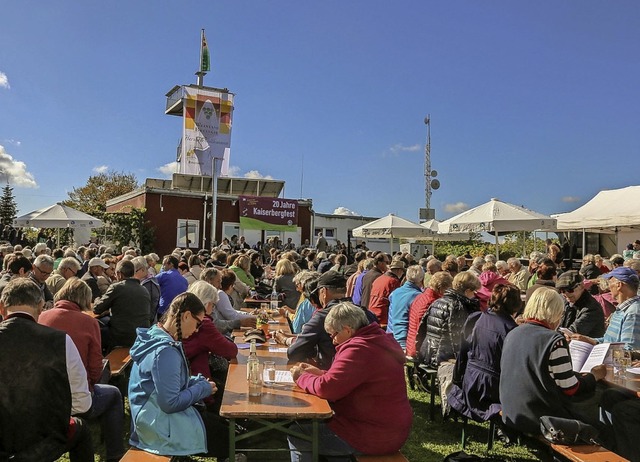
[
  {"x": 432, "y": 398},
  {"x": 492, "y": 432}
]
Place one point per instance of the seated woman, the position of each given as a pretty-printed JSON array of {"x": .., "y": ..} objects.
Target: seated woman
[
  {"x": 476, "y": 377},
  {"x": 224, "y": 307},
  {"x": 537, "y": 377},
  {"x": 207, "y": 346},
  {"x": 285, "y": 271},
  {"x": 106, "y": 401},
  {"x": 162, "y": 392},
  {"x": 365, "y": 386},
  {"x": 242, "y": 267}
]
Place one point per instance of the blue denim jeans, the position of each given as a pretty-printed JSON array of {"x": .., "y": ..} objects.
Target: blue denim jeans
[
  {"x": 107, "y": 406},
  {"x": 330, "y": 444}
]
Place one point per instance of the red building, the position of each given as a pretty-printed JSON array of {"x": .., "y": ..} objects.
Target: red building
[{"x": 180, "y": 209}]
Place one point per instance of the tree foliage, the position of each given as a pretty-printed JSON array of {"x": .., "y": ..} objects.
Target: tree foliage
[
  {"x": 92, "y": 198},
  {"x": 129, "y": 227},
  {"x": 8, "y": 206}
]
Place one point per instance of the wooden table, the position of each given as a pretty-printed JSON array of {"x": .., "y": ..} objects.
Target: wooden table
[
  {"x": 279, "y": 405},
  {"x": 630, "y": 382}
]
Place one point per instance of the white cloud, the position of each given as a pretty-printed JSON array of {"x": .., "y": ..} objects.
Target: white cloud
[
  {"x": 398, "y": 148},
  {"x": 15, "y": 171},
  {"x": 345, "y": 211},
  {"x": 456, "y": 208},
  {"x": 101, "y": 169},
  {"x": 4, "y": 81},
  {"x": 233, "y": 171},
  {"x": 256, "y": 175},
  {"x": 13, "y": 142},
  {"x": 168, "y": 169},
  {"x": 570, "y": 199}
]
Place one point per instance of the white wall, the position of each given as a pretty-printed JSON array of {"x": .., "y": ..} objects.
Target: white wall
[{"x": 340, "y": 225}]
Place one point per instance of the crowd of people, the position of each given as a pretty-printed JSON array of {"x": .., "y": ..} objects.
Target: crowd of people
[{"x": 490, "y": 328}]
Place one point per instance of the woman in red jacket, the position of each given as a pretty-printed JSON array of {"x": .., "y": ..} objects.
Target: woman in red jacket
[
  {"x": 207, "y": 343},
  {"x": 365, "y": 387}
]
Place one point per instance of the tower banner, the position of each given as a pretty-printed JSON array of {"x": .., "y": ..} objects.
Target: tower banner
[
  {"x": 206, "y": 133},
  {"x": 269, "y": 213}
]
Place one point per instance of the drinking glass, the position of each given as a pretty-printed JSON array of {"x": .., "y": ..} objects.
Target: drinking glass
[{"x": 269, "y": 372}]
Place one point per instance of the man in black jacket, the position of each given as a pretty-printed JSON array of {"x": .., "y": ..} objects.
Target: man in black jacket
[
  {"x": 582, "y": 313},
  {"x": 129, "y": 303}
]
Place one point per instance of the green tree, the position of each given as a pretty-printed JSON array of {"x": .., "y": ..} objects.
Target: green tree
[
  {"x": 8, "y": 206},
  {"x": 128, "y": 226},
  {"x": 92, "y": 198}
]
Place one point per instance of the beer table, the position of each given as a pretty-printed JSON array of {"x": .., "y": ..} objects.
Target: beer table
[
  {"x": 630, "y": 381},
  {"x": 279, "y": 405}
]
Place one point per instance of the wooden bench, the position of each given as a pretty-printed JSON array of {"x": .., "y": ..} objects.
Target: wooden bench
[
  {"x": 397, "y": 457},
  {"x": 586, "y": 453},
  {"x": 136, "y": 455},
  {"x": 119, "y": 359}
]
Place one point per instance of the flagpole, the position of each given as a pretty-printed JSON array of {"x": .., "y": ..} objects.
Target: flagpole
[{"x": 204, "y": 64}]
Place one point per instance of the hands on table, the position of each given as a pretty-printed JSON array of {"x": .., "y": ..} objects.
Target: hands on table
[{"x": 296, "y": 371}]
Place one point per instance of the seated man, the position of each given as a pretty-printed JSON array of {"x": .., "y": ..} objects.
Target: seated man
[
  {"x": 400, "y": 302},
  {"x": 582, "y": 313},
  {"x": 624, "y": 324},
  {"x": 95, "y": 269},
  {"x": 368, "y": 365},
  {"x": 43, "y": 383},
  {"x": 129, "y": 304}
]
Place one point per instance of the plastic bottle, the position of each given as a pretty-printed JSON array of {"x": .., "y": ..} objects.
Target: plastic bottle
[
  {"x": 253, "y": 372},
  {"x": 274, "y": 300}
]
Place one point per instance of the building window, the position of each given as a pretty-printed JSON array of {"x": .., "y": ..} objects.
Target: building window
[
  {"x": 329, "y": 232},
  {"x": 188, "y": 234}
]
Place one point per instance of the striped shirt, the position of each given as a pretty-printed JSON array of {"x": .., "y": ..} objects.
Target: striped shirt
[
  {"x": 624, "y": 325},
  {"x": 560, "y": 369}
]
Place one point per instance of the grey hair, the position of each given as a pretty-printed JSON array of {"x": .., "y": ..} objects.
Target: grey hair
[
  {"x": 139, "y": 263},
  {"x": 415, "y": 274},
  {"x": 21, "y": 291},
  {"x": 514, "y": 261},
  {"x": 478, "y": 262},
  {"x": 39, "y": 247},
  {"x": 43, "y": 260},
  {"x": 345, "y": 314},
  {"x": 204, "y": 291},
  {"x": 69, "y": 262},
  {"x": 501, "y": 264},
  {"x": 305, "y": 275},
  {"x": 490, "y": 258},
  {"x": 369, "y": 263}
]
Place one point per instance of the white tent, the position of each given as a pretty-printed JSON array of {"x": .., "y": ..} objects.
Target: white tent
[
  {"x": 57, "y": 216},
  {"x": 496, "y": 216},
  {"x": 611, "y": 210},
  {"x": 392, "y": 227}
]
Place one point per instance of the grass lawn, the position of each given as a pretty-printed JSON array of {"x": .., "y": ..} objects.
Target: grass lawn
[{"x": 428, "y": 442}]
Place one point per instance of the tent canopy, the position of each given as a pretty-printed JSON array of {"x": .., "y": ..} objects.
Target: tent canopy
[
  {"x": 392, "y": 226},
  {"x": 608, "y": 210},
  {"x": 497, "y": 216},
  {"x": 57, "y": 216}
]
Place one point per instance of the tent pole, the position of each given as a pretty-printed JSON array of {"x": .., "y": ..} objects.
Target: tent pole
[
  {"x": 584, "y": 242},
  {"x": 524, "y": 246},
  {"x": 497, "y": 251}
]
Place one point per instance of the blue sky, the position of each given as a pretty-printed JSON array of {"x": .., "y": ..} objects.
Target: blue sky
[{"x": 536, "y": 103}]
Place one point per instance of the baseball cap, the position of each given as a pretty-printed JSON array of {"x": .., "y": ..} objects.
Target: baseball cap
[
  {"x": 622, "y": 274},
  {"x": 95, "y": 261},
  {"x": 332, "y": 279}
]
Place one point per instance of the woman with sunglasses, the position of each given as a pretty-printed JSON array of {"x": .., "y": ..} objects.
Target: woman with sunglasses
[{"x": 162, "y": 392}]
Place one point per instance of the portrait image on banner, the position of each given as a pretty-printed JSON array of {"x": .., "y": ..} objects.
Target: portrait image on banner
[{"x": 206, "y": 131}]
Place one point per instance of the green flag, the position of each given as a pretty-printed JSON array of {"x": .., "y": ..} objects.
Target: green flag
[{"x": 205, "y": 62}]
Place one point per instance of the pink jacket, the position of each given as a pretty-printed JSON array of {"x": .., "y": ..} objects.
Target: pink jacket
[
  {"x": 489, "y": 280},
  {"x": 367, "y": 391}
]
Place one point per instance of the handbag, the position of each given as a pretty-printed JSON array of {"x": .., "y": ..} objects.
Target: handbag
[{"x": 557, "y": 430}]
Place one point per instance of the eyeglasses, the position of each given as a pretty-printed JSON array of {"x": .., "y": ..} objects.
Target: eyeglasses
[
  {"x": 334, "y": 335},
  {"x": 73, "y": 273},
  {"x": 45, "y": 273},
  {"x": 198, "y": 321}
]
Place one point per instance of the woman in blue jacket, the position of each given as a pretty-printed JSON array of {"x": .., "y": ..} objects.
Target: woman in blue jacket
[{"x": 162, "y": 392}]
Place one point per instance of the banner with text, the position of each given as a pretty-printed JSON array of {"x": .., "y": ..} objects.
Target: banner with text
[{"x": 269, "y": 213}]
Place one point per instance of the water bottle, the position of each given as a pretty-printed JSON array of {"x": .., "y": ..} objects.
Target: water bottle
[
  {"x": 254, "y": 378},
  {"x": 274, "y": 300}
]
